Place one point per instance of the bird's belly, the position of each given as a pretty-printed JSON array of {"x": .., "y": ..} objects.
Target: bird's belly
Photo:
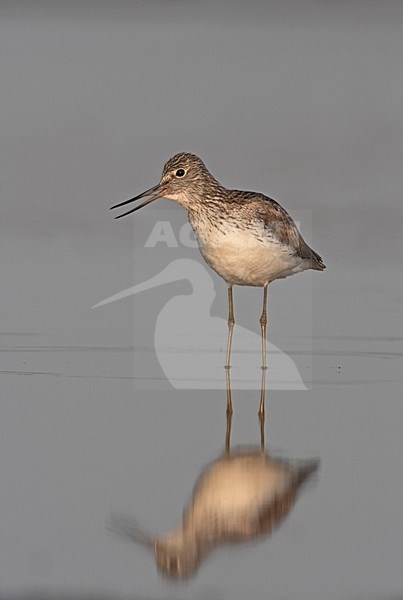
[{"x": 250, "y": 261}]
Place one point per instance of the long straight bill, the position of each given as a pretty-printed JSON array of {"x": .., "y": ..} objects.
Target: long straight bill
[{"x": 158, "y": 194}]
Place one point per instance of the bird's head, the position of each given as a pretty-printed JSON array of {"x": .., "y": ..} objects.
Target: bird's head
[{"x": 184, "y": 179}]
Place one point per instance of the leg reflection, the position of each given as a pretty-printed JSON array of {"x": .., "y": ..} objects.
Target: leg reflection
[
  {"x": 262, "y": 408},
  {"x": 229, "y": 410}
]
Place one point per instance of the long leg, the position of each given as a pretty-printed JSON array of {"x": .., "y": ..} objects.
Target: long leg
[
  {"x": 231, "y": 323},
  {"x": 263, "y": 323},
  {"x": 229, "y": 410}
]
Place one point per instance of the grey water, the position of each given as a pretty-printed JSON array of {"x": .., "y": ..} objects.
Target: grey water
[{"x": 299, "y": 100}]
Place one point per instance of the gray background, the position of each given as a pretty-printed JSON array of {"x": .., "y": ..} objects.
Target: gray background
[{"x": 301, "y": 100}]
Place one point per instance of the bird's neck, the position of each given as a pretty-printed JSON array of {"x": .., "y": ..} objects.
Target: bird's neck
[{"x": 207, "y": 200}]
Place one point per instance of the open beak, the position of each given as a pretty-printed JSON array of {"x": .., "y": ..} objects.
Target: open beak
[{"x": 155, "y": 192}]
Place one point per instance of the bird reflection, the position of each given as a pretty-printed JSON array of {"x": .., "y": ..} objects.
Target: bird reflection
[{"x": 242, "y": 495}]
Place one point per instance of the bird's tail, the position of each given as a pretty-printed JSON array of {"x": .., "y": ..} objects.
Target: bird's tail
[{"x": 316, "y": 261}]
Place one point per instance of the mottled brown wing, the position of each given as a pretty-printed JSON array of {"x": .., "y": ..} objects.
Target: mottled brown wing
[{"x": 281, "y": 226}]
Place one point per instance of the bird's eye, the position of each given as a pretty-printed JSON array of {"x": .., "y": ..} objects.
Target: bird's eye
[{"x": 180, "y": 172}]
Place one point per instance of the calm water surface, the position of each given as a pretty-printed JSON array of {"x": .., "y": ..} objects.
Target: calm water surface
[{"x": 79, "y": 441}]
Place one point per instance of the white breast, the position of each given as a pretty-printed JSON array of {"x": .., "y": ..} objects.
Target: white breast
[{"x": 246, "y": 256}]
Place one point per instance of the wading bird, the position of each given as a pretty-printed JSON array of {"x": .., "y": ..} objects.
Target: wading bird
[{"x": 246, "y": 237}]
